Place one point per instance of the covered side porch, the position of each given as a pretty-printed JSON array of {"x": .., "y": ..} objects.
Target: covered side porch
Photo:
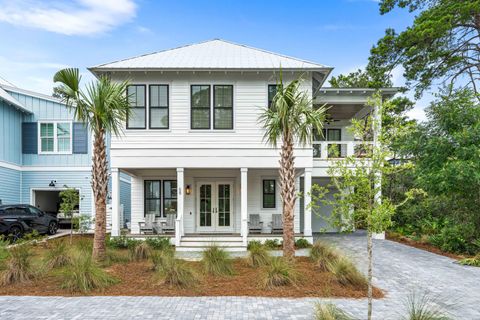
[{"x": 201, "y": 206}]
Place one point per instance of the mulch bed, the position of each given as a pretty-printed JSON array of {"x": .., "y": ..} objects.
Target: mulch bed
[
  {"x": 138, "y": 279},
  {"x": 422, "y": 245}
]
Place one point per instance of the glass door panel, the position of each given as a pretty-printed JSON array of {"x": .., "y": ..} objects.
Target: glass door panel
[
  {"x": 205, "y": 205},
  {"x": 224, "y": 205}
]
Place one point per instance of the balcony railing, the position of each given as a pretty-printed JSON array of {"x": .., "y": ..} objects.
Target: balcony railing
[{"x": 340, "y": 149}]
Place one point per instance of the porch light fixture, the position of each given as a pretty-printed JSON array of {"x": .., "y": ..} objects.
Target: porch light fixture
[
  {"x": 188, "y": 190},
  {"x": 52, "y": 183}
]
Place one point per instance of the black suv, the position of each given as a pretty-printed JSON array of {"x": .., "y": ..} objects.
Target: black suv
[{"x": 18, "y": 219}]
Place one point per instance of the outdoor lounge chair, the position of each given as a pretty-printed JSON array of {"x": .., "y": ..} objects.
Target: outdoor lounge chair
[
  {"x": 149, "y": 226},
  {"x": 254, "y": 224},
  {"x": 169, "y": 224},
  {"x": 277, "y": 223}
]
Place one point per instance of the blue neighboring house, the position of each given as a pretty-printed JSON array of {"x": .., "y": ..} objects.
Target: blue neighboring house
[{"x": 43, "y": 151}]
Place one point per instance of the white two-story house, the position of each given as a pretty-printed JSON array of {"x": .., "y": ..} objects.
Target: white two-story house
[{"x": 193, "y": 144}]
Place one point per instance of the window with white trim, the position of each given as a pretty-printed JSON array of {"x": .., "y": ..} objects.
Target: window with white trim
[{"x": 55, "y": 137}]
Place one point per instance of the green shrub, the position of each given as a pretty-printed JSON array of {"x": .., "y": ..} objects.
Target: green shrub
[
  {"x": 122, "y": 242},
  {"x": 272, "y": 243},
  {"x": 19, "y": 267},
  {"x": 217, "y": 261},
  {"x": 451, "y": 239},
  {"x": 473, "y": 262},
  {"x": 423, "y": 308},
  {"x": 257, "y": 255},
  {"x": 3, "y": 249},
  {"x": 278, "y": 272},
  {"x": 175, "y": 272},
  {"x": 302, "y": 243},
  {"x": 253, "y": 243},
  {"x": 113, "y": 256},
  {"x": 159, "y": 243},
  {"x": 346, "y": 273},
  {"x": 140, "y": 252},
  {"x": 323, "y": 255},
  {"x": 160, "y": 258},
  {"x": 57, "y": 255},
  {"x": 329, "y": 311},
  {"x": 84, "y": 244},
  {"x": 83, "y": 275}
]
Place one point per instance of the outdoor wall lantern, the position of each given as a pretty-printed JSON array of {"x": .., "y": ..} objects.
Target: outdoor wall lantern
[
  {"x": 52, "y": 183},
  {"x": 188, "y": 190}
]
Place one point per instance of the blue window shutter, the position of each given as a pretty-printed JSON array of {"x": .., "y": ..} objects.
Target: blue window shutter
[
  {"x": 29, "y": 138},
  {"x": 80, "y": 138}
]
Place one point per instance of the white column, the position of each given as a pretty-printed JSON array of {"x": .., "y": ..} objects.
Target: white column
[
  {"x": 307, "y": 210},
  {"x": 180, "y": 200},
  {"x": 244, "y": 204},
  {"x": 115, "y": 202}
]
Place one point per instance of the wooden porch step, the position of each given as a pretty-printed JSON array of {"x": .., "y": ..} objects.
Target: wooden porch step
[{"x": 207, "y": 239}]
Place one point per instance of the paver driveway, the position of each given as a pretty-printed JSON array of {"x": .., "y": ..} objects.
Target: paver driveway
[{"x": 399, "y": 270}]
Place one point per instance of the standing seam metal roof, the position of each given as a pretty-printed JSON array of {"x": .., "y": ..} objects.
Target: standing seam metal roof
[{"x": 213, "y": 54}]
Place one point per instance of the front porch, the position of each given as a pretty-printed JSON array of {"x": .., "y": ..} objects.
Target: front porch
[{"x": 212, "y": 206}]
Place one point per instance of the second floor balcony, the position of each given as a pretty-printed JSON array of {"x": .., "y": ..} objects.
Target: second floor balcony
[{"x": 340, "y": 149}]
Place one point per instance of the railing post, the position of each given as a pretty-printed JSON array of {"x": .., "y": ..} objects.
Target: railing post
[
  {"x": 350, "y": 148},
  {"x": 324, "y": 150}
]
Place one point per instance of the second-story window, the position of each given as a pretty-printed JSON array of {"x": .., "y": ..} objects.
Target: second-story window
[
  {"x": 55, "y": 137},
  {"x": 223, "y": 107},
  {"x": 158, "y": 104},
  {"x": 272, "y": 91},
  {"x": 136, "y": 99},
  {"x": 200, "y": 107}
]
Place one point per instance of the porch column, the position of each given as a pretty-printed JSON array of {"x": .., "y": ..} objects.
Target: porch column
[
  {"x": 307, "y": 210},
  {"x": 180, "y": 198},
  {"x": 115, "y": 176},
  {"x": 244, "y": 205}
]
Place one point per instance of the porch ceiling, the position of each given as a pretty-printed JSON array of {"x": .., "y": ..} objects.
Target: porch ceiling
[{"x": 343, "y": 111}]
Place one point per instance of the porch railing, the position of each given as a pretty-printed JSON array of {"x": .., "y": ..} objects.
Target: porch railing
[{"x": 340, "y": 149}]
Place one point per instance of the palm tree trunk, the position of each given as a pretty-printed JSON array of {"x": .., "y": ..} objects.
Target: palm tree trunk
[
  {"x": 287, "y": 186},
  {"x": 100, "y": 188},
  {"x": 370, "y": 273}
]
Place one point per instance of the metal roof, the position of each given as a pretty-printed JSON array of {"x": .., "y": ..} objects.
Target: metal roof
[
  {"x": 210, "y": 55},
  {"x": 5, "y": 96}
]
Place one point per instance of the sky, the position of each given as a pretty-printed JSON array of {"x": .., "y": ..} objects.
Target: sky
[{"x": 40, "y": 37}]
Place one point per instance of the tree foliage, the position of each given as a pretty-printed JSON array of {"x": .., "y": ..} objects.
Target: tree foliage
[{"x": 442, "y": 44}]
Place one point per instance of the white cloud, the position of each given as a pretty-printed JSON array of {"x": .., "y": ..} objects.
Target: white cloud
[{"x": 78, "y": 17}]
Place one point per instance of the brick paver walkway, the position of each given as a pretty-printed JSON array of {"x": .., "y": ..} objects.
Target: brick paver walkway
[{"x": 399, "y": 270}]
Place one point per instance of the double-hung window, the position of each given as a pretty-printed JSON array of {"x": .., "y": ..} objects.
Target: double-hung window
[
  {"x": 269, "y": 194},
  {"x": 169, "y": 196},
  {"x": 136, "y": 99},
  {"x": 223, "y": 107},
  {"x": 200, "y": 104},
  {"x": 153, "y": 203},
  {"x": 202, "y": 107},
  {"x": 55, "y": 137},
  {"x": 158, "y": 104}
]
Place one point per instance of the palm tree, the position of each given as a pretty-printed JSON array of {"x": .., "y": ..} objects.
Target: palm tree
[
  {"x": 103, "y": 107},
  {"x": 290, "y": 118}
]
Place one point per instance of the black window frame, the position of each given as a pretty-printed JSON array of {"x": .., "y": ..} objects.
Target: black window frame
[
  {"x": 145, "y": 197},
  {"x": 268, "y": 94},
  {"x": 202, "y": 108},
  {"x": 137, "y": 107},
  {"x": 269, "y": 193},
  {"x": 222, "y": 108},
  {"x": 150, "y": 107},
  {"x": 169, "y": 198}
]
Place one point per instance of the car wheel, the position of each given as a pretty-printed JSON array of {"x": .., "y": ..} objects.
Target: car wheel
[
  {"x": 52, "y": 228},
  {"x": 15, "y": 233}
]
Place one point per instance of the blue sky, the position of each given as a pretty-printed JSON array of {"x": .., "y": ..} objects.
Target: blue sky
[{"x": 40, "y": 37}]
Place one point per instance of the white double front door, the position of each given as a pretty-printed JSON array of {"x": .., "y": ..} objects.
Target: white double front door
[{"x": 215, "y": 206}]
